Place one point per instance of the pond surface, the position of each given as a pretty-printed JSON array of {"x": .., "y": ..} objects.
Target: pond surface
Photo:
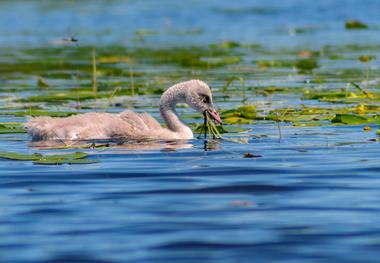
[{"x": 310, "y": 192}]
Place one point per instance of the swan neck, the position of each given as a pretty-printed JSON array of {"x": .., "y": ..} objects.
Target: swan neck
[{"x": 169, "y": 99}]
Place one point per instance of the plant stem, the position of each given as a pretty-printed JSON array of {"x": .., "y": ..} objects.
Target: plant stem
[
  {"x": 94, "y": 87},
  {"x": 132, "y": 80}
]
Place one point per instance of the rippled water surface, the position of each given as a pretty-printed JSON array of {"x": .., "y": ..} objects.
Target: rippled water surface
[{"x": 309, "y": 195}]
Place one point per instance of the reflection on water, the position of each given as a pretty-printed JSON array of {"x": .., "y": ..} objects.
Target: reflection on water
[{"x": 114, "y": 144}]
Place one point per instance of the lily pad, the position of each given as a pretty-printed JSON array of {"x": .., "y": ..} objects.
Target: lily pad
[
  {"x": 42, "y": 83},
  {"x": 20, "y": 157},
  {"x": 11, "y": 127},
  {"x": 306, "y": 65},
  {"x": 246, "y": 111},
  {"x": 349, "y": 119},
  {"x": 355, "y": 24},
  {"x": 37, "y": 158},
  {"x": 64, "y": 161},
  {"x": 236, "y": 120}
]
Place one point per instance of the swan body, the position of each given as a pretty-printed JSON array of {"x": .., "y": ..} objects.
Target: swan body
[{"x": 129, "y": 124}]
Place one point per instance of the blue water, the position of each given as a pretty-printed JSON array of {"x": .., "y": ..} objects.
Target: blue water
[
  {"x": 268, "y": 22},
  {"x": 311, "y": 196}
]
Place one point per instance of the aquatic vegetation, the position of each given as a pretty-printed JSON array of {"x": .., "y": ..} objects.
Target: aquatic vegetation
[
  {"x": 242, "y": 86},
  {"x": 11, "y": 127},
  {"x": 42, "y": 83},
  {"x": 272, "y": 76},
  {"x": 353, "y": 119},
  {"x": 37, "y": 158},
  {"x": 264, "y": 64},
  {"x": 344, "y": 95},
  {"x": 302, "y": 30},
  {"x": 241, "y": 115},
  {"x": 366, "y": 58},
  {"x": 349, "y": 119},
  {"x": 306, "y": 65},
  {"x": 209, "y": 127},
  {"x": 355, "y": 24},
  {"x": 117, "y": 71},
  {"x": 200, "y": 129},
  {"x": 226, "y": 45},
  {"x": 59, "y": 97}
]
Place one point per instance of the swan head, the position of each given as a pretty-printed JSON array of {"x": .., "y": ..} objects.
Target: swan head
[{"x": 199, "y": 97}]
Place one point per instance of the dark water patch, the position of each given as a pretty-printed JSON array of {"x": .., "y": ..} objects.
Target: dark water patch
[
  {"x": 244, "y": 189},
  {"x": 79, "y": 258},
  {"x": 45, "y": 211}
]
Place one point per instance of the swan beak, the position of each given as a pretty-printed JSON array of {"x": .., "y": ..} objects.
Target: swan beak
[{"x": 215, "y": 115}]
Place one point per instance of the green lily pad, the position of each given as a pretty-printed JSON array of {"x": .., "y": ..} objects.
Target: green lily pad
[
  {"x": 306, "y": 65},
  {"x": 11, "y": 127},
  {"x": 70, "y": 158},
  {"x": 42, "y": 83},
  {"x": 355, "y": 24},
  {"x": 20, "y": 157},
  {"x": 246, "y": 111},
  {"x": 64, "y": 161},
  {"x": 349, "y": 119},
  {"x": 236, "y": 120}
]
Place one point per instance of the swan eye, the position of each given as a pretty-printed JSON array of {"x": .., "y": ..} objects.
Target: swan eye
[{"x": 205, "y": 99}]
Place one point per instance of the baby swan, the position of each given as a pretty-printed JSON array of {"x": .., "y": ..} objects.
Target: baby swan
[{"x": 128, "y": 124}]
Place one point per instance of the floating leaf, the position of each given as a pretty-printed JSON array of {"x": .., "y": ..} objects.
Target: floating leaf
[
  {"x": 246, "y": 111},
  {"x": 226, "y": 44},
  {"x": 349, "y": 119},
  {"x": 355, "y": 24},
  {"x": 306, "y": 65},
  {"x": 11, "y": 127},
  {"x": 20, "y": 157},
  {"x": 366, "y": 58},
  {"x": 41, "y": 83},
  {"x": 234, "y": 129},
  {"x": 71, "y": 158},
  {"x": 236, "y": 120},
  {"x": 65, "y": 161},
  {"x": 263, "y": 64},
  {"x": 114, "y": 59}
]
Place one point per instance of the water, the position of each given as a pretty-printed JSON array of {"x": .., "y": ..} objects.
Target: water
[
  {"x": 189, "y": 22},
  {"x": 310, "y": 196}
]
